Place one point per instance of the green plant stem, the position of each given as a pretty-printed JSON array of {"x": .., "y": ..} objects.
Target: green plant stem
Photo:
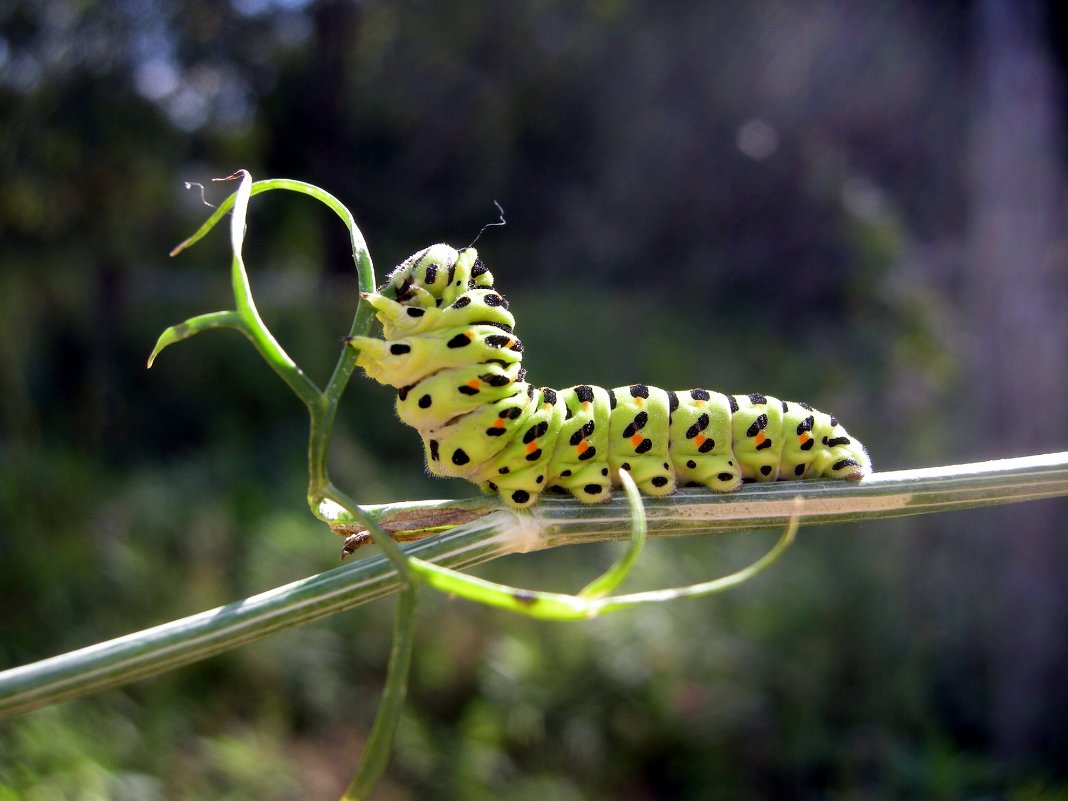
[
  {"x": 322, "y": 405},
  {"x": 170, "y": 645},
  {"x": 359, "y": 245},
  {"x": 592, "y": 601},
  {"x": 639, "y": 528},
  {"x": 562, "y": 607},
  {"x": 390, "y": 548},
  {"x": 501, "y": 532},
  {"x": 885, "y": 495},
  {"x": 322, "y": 409},
  {"x": 379, "y": 747},
  {"x": 269, "y": 348}
]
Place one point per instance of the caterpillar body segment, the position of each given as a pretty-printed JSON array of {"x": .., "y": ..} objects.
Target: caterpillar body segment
[
  {"x": 700, "y": 452},
  {"x": 523, "y": 469},
  {"x": 448, "y": 347},
  {"x": 470, "y": 387},
  {"x": 638, "y": 436},
  {"x": 405, "y": 362},
  {"x": 457, "y": 451},
  {"x": 579, "y": 458},
  {"x": 405, "y": 320}
]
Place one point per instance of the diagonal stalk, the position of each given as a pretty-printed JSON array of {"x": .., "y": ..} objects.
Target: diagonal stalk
[{"x": 499, "y": 532}]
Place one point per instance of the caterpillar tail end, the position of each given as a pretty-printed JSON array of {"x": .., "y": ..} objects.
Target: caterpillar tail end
[{"x": 855, "y": 465}]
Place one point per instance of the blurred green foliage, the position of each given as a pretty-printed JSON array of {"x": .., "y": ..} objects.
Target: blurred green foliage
[{"x": 772, "y": 197}]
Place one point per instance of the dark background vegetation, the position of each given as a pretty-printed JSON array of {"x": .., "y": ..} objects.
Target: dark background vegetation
[{"x": 857, "y": 204}]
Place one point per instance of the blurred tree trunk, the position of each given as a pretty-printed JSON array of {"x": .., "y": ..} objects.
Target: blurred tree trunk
[
  {"x": 1016, "y": 318},
  {"x": 312, "y": 114}
]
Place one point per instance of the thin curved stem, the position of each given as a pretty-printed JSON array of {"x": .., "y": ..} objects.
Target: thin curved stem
[
  {"x": 397, "y": 558},
  {"x": 359, "y": 244},
  {"x": 322, "y": 405},
  {"x": 195, "y": 325},
  {"x": 379, "y": 747},
  {"x": 701, "y": 589},
  {"x": 613, "y": 577},
  {"x": 269, "y": 348},
  {"x": 562, "y": 607}
]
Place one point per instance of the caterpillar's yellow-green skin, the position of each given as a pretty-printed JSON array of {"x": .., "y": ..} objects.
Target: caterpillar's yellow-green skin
[{"x": 448, "y": 347}]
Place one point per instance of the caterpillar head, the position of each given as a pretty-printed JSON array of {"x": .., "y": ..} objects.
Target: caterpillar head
[
  {"x": 439, "y": 288},
  {"x": 446, "y": 314},
  {"x": 438, "y": 275}
]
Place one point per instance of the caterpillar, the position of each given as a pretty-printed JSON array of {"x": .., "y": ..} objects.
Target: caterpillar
[{"x": 448, "y": 347}]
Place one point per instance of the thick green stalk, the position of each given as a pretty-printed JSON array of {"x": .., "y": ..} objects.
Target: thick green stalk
[
  {"x": 500, "y": 532},
  {"x": 179, "y": 642}
]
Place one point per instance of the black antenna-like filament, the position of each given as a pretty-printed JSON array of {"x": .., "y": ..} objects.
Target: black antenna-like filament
[{"x": 502, "y": 221}]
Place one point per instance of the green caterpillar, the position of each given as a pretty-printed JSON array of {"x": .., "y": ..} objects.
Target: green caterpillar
[{"x": 448, "y": 347}]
